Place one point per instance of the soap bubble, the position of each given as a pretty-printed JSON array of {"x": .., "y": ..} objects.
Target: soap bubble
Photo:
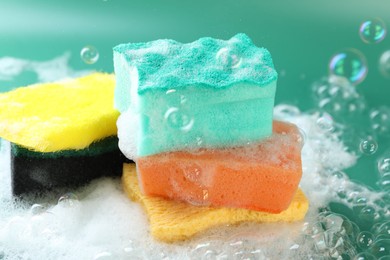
[
  {"x": 367, "y": 214},
  {"x": 380, "y": 248},
  {"x": 364, "y": 256},
  {"x": 37, "y": 209},
  {"x": 228, "y": 58},
  {"x": 89, "y": 54},
  {"x": 365, "y": 239},
  {"x": 68, "y": 200},
  {"x": 350, "y": 64},
  {"x": 384, "y": 182},
  {"x": 178, "y": 119},
  {"x": 380, "y": 119},
  {"x": 384, "y": 165},
  {"x": 325, "y": 122},
  {"x": 384, "y": 64},
  {"x": 368, "y": 146},
  {"x": 372, "y": 30}
]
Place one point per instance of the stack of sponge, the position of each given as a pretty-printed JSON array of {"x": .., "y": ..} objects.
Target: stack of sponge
[{"x": 202, "y": 134}]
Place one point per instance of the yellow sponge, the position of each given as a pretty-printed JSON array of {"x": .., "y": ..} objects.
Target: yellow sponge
[
  {"x": 172, "y": 221},
  {"x": 51, "y": 117}
]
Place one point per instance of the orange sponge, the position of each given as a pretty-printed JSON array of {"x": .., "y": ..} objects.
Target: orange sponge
[
  {"x": 172, "y": 221},
  {"x": 261, "y": 176}
]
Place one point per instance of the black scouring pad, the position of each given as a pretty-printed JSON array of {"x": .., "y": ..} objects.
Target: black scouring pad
[{"x": 40, "y": 172}]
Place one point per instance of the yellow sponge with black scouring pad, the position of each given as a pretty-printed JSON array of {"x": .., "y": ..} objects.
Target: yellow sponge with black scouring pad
[
  {"x": 58, "y": 116},
  {"x": 63, "y": 134}
]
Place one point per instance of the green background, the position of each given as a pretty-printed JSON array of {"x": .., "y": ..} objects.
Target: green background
[{"x": 302, "y": 36}]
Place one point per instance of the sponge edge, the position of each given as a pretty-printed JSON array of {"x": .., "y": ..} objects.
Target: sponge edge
[
  {"x": 58, "y": 116},
  {"x": 172, "y": 221}
]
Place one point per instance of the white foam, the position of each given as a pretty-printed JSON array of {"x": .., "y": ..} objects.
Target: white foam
[
  {"x": 46, "y": 71},
  {"x": 105, "y": 223}
]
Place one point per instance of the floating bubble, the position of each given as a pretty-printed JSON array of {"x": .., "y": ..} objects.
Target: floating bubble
[
  {"x": 368, "y": 146},
  {"x": 178, "y": 119},
  {"x": 68, "y": 200},
  {"x": 384, "y": 64},
  {"x": 350, "y": 64},
  {"x": 228, "y": 58},
  {"x": 89, "y": 54},
  {"x": 372, "y": 30}
]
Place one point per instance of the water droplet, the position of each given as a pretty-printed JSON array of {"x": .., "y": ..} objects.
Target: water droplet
[
  {"x": 178, "y": 119},
  {"x": 228, "y": 58},
  {"x": 384, "y": 64},
  {"x": 365, "y": 239},
  {"x": 89, "y": 54},
  {"x": 372, "y": 30},
  {"x": 68, "y": 200},
  {"x": 368, "y": 146},
  {"x": 350, "y": 64}
]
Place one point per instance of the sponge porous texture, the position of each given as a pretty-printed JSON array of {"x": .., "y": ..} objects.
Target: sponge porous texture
[{"x": 66, "y": 115}]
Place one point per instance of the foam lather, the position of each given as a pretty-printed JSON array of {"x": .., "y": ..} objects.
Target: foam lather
[{"x": 208, "y": 93}]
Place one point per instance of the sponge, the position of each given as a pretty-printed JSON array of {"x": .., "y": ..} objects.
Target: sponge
[
  {"x": 37, "y": 172},
  {"x": 63, "y": 134},
  {"x": 58, "y": 116},
  {"x": 262, "y": 176},
  {"x": 176, "y": 90},
  {"x": 172, "y": 221}
]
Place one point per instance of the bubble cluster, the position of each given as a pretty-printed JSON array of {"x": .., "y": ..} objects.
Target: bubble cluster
[
  {"x": 350, "y": 64},
  {"x": 384, "y": 64},
  {"x": 372, "y": 30},
  {"x": 338, "y": 97},
  {"x": 89, "y": 54}
]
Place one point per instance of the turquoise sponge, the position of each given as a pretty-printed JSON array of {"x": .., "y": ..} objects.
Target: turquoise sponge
[{"x": 208, "y": 93}]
